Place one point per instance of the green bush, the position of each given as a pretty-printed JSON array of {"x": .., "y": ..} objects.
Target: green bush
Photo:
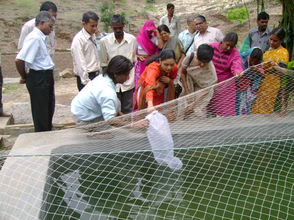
[
  {"x": 150, "y": 1},
  {"x": 238, "y": 14},
  {"x": 106, "y": 11}
]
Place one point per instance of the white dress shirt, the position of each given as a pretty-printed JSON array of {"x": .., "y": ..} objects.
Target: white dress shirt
[
  {"x": 85, "y": 55},
  {"x": 34, "y": 51},
  {"x": 28, "y": 28},
  {"x": 174, "y": 25},
  {"x": 109, "y": 47},
  {"x": 210, "y": 36}
]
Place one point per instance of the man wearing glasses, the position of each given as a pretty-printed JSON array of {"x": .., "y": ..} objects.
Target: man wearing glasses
[
  {"x": 39, "y": 81},
  {"x": 206, "y": 34},
  {"x": 29, "y": 26}
]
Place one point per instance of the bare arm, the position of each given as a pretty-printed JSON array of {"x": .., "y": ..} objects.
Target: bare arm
[
  {"x": 179, "y": 64},
  {"x": 184, "y": 80},
  {"x": 21, "y": 68}
]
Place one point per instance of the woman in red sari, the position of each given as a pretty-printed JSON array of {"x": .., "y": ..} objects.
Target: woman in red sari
[{"x": 161, "y": 68}]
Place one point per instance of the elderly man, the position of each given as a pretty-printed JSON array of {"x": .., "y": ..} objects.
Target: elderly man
[
  {"x": 187, "y": 36},
  {"x": 84, "y": 51},
  {"x": 120, "y": 43},
  {"x": 206, "y": 34},
  {"x": 171, "y": 20},
  {"x": 40, "y": 81},
  {"x": 29, "y": 26},
  {"x": 259, "y": 36}
]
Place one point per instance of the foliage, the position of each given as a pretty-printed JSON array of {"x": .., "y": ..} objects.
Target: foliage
[
  {"x": 106, "y": 11},
  {"x": 238, "y": 14},
  {"x": 25, "y": 3},
  {"x": 150, "y": 1}
]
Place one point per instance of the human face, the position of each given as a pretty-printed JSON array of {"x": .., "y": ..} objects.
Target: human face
[
  {"x": 274, "y": 41},
  {"x": 91, "y": 27},
  {"x": 192, "y": 26},
  {"x": 166, "y": 65},
  {"x": 262, "y": 24},
  {"x": 171, "y": 11},
  {"x": 123, "y": 77},
  {"x": 164, "y": 35},
  {"x": 227, "y": 45},
  {"x": 118, "y": 29},
  {"x": 46, "y": 28},
  {"x": 54, "y": 13},
  {"x": 201, "y": 26},
  {"x": 199, "y": 63},
  {"x": 253, "y": 61}
]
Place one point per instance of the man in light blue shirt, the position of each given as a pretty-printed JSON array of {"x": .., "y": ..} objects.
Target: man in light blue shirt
[
  {"x": 187, "y": 36},
  {"x": 39, "y": 81}
]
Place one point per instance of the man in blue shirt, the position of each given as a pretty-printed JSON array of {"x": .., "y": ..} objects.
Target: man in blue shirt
[
  {"x": 187, "y": 36},
  {"x": 39, "y": 81}
]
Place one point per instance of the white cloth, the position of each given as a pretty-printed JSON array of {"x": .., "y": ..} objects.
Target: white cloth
[
  {"x": 97, "y": 98},
  {"x": 28, "y": 28},
  {"x": 174, "y": 25},
  {"x": 140, "y": 49},
  {"x": 211, "y": 35},
  {"x": 85, "y": 55},
  {"x": 109, "y": 47},
  {"x": 34, "y": 51}
]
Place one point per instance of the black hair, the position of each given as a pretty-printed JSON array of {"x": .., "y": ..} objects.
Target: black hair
[
  {"x": 117, "y": 19},
  {"x": 169, "y": 5},
  {"x": 89, "y": 15},
  {"x": 163, "y": 55},
  {"x": 118, "y": 65},
  {"x": 232, "y": 36},
  {"x": 205, "y": 53},
  {"x": 257, "y": 53},
  {"x": 279, "y": 32},
  {"x": 200, "y": 17},
  {"x": 163, "y": 27},
  {"x": 46, "y": 6},
  {"x": 263, "y": 15}
]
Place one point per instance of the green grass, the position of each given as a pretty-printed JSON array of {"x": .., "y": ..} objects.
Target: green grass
[{"x": 11, "y": 88}]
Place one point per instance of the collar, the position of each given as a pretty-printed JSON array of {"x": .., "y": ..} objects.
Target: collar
[
  {"x": 86, "y": 34},
  {"x": 188, "y": 32},
  {"x": 40, "y": 33},
  {"x": 126, "y": 38}
]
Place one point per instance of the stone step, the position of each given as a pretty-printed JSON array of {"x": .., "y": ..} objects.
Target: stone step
[{"x": 4, "y": 121}]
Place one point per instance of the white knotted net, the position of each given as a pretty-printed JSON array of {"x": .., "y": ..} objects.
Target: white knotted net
[{"x": 234, "y": 164}]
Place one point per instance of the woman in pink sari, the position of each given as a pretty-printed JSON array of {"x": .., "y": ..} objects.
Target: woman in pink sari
[{"x": 148, "y": 40}]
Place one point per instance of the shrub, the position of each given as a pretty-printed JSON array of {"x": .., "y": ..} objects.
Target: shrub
[{"x": 238, "y": 14}]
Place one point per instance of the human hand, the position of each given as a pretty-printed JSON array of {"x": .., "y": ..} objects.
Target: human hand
[
  {"x": 282, "y": 112},
  {"x": 140, "y": 124},
  {"x": 22, "y": 81},
  {"x": 238, "y": 74},
  {"x": 141, "y": 58},
  {"x": 150, "y": 109},
  {"x": 164, "y": 79}
]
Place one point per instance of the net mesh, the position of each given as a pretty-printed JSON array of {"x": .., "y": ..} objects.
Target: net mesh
[{"x": 235, "y": 164}]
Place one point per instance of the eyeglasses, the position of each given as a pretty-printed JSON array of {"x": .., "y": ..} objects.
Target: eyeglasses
[
  {"x": 200, "y": 23},
  {"x": 51, "y": 26}
]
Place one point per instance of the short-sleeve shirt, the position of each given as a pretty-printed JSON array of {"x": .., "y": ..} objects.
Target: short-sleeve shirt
[
  {"x": 211, "y": 35},
  {"x": 97, "y": 98},
  {"x": 34, "y": 51},
  {"x": 109, "y": 47},
  {"x": 259, "y": 40},
  {"x": 186, "y": 38},
  {"x": 174, "y": 25},
  {"x": 203, "y": 76}
]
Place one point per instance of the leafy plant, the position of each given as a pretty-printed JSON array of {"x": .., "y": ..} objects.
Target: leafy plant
[
  {"x": 150, "y": 1},
  {"x": 238, "y": 14},
  {"x": 25, "y": 3},
  {"x": 106, "y": 11}
]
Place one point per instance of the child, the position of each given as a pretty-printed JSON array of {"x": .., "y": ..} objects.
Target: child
[{"x": 248, "y": 84}]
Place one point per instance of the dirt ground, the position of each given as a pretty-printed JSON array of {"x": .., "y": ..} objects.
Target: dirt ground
[{"x": 17, "y": 101}]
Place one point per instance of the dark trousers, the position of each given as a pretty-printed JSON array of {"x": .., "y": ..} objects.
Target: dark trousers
[
  {"x": 40, "y": 85},
  {"x": 1, "y": 83},
  {"x": 126, "y": 99},
  {"x": 79, "y": 82}
]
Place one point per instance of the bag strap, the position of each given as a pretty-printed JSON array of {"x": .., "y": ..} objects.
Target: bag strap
[
  {"x": 189, "y": 45},
  {"x": 191, "y": 58}
]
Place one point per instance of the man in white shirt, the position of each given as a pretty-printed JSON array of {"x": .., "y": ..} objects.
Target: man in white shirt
[
  {"x": 29, "y": 26},
  {"x": 84, "y": 51},
  {"x": 206, "y": 34},
  {"x": 171, "y": 20},
  {"x": 39, "y": 81},
  {"x": 120, "y": 43}
]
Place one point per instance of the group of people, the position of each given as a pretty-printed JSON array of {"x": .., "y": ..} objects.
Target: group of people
[{"x": 158, "y": 65}]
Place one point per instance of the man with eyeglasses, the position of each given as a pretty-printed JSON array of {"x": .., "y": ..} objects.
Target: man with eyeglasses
[
  {"x": 40, "y": 80},
  {"x": 29, "y": 26},
  {"x": 206, "y": 34}
]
